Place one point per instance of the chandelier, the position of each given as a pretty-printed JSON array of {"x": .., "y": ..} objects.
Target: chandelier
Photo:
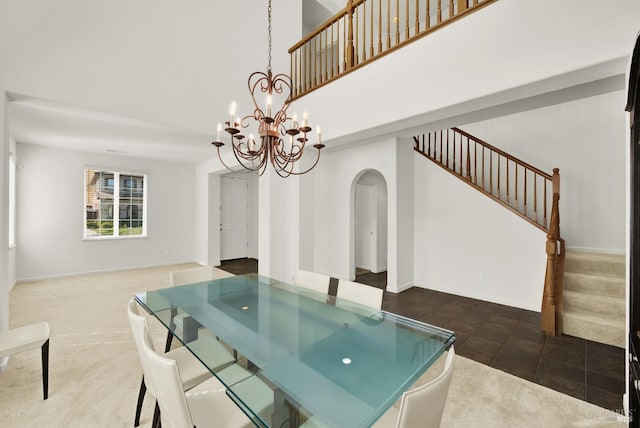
[{"x": 281, "y": 139}]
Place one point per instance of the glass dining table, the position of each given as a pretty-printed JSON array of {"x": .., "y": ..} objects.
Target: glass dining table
[{"x": 335, "y": 362}]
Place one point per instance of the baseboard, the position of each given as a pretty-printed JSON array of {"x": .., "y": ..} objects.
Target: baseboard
[
  {"x": 485, "y": 298},
  {"x": 596, "y": 250},
  {"x": 400, "y": 288},
  {"x": 379, "y": 269},
  {"x": 71, "y": 274}
]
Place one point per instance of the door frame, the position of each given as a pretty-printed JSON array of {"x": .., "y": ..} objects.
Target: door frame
[{"x": 633, "y": 346}]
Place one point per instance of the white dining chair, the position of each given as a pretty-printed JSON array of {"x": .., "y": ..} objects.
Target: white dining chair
[
  {"x": 312, "y": 281},
  {"x": 32, "y": 336},
  {"x": 360, "y": 293},
  {"x": 422, "y": 406},
  {"x": 206, "y": 405},
  {"x": 191, "y": 276},
  {"x": 193, "y": 371}
]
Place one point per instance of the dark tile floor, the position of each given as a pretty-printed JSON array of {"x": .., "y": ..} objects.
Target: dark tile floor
[{"x": 506, "y": 338}]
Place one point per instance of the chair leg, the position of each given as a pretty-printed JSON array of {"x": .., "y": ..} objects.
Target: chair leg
[
  {"x": 45, "y": 369},
  {"x": 172, "y": 326},
  {"x": 156, "y": 417},
  {"x": 143, "y": 390},
  {"x": 167, "y": 347}
]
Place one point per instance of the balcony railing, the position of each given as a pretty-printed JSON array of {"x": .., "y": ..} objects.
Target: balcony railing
[{"x": 364, "y": 31}]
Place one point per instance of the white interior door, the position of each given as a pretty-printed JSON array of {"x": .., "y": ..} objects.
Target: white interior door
[
  {"x": 366, "y": 221},
  {"x": 234, "y": 217}
]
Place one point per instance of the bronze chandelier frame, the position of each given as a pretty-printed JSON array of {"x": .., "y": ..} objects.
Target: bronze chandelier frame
[{"x": 273, "y": 129}]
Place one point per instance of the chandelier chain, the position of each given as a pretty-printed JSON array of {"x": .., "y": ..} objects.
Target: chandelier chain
[{"x": 269, "y": 30}]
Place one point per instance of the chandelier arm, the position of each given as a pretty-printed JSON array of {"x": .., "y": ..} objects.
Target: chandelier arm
[
  {"x": 310, "y": 168},
  {"x": 264, "y": 81},
  {"x": 281, "y": 81},
  {"x": 235, "y": 153},
  {"x": 281, "y": 158},
  {"x": 282, "y": 171},
  {"x": 227, "y": 167}
]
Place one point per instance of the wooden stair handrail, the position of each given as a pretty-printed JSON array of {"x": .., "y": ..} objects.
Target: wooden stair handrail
[
  {"x": 365, "y": 22},
  {"x": 503, "y": 153},
  {"x": 461, "y": 160},
  {"x": 453, "y": 163}
]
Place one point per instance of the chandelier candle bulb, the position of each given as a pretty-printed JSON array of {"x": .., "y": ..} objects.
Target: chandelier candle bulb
[
  {"x": 304, "y": 119},
  {"x": 252, "y": 143},
  {"x": 319, "y": 135},
  {"x": 269, "y": 102},
  {"x": 219, "y": 132},
  {"x": 232, "y": 114},
  {"x": 294, "y": 119}
]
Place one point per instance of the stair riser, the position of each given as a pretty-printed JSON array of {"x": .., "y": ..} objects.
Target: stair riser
[
  {"x": 594, "y": 331},
  {"x": 605, "y": 286},
  {"x": 595, "y": 267},
  {"x": 592, "y": 305}
]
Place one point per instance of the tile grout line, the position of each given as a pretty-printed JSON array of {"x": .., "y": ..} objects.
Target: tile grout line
[
  {"x": 585, "y": 368},
  {"x": 544, "y": 347}
]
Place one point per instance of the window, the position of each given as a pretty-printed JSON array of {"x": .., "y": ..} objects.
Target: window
[{"x": 115, "y": 204}]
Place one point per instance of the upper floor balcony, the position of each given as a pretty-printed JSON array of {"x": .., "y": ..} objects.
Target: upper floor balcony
[{"x": 365, "y": 30}]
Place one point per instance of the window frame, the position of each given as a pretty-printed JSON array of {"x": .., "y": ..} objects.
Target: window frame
[{"x": 117, "y": 173}]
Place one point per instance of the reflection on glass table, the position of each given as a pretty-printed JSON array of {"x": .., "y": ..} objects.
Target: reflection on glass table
[{"x": 342, "y": 363}]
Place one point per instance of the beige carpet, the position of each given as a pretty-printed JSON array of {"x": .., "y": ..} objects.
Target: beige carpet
[{"x": 95, "y": 372}]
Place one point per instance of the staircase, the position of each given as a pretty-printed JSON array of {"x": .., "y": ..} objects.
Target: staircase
[
  {"x": 526, "y": 190},
  {"x": 594, "y": 297}
]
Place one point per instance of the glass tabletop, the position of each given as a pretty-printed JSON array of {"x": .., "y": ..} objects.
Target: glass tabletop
[{"x": 339, "y": 362}]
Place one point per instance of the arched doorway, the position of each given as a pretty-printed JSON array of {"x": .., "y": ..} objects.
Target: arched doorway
[
  {"x": 633, "y": 107},
  {"x": 369, "y": 251}
]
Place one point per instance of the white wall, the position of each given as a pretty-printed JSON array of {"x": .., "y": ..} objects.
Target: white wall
[
  {"x": 403, "y": 217},
  {"x": 493, "y": 56},
  {"x": 585, "y": 138},
  {"x": 335, "y": 177},
  {"x": 307, "y": 220},
  {"x": 469, "y": 245},
  {"x": 12, "y": 249},
  {"x": 279, "y": 225},
  {"x": 50, "y": 215},
  {"x": 6, "y": 270}
]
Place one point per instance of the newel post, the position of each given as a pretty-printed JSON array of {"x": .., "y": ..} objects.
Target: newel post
[
  {"x": 350, "y": 53},
  {"x": 551, "y": 303}
]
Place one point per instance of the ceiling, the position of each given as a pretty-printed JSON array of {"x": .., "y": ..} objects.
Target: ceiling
[{"x": 44, "y": 122}]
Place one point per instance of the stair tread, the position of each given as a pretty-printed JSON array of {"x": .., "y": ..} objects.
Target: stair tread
[
  {"x": 612, "y": 278},
  {"x": 594, "y": 328},
  {"x": 611, "y": 321},
  {"x": 586, "y": 294},
  {"x": 599, "y": 264},
  {"x": 594, "y": 304},
  {"x": 606, "y": 257}
]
